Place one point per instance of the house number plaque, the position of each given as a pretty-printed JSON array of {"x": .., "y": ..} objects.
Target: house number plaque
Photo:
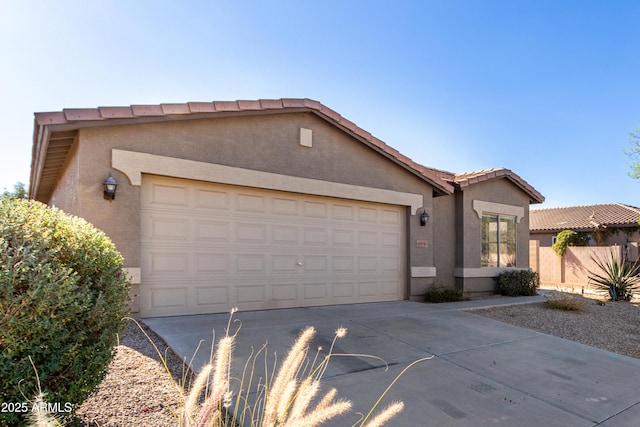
[{"x": 422, "y": 244}]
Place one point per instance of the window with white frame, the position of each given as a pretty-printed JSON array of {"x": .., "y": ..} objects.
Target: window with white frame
[{"x": 498, "y": 240}]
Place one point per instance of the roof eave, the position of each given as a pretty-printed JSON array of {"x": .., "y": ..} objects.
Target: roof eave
[
  {"x": 75, "y": 119},
  {"x": 535, "y": 197}
]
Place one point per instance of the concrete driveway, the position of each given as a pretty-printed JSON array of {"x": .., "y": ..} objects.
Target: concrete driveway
[{"x": 483, "y": 373}]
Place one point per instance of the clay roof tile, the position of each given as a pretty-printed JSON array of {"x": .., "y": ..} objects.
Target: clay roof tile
[
  {"x": 169, "y": 109},
  {"x": 330, "y": 113},
  {"x": 81, "y": 114},
  {"x": 293, "y": 103},
  {"x": 268, "y": 104},
  {"x": 116, "y": 112},
  {"x": 249, "y": 105},
  {"x": 442, "y": 181},
  {"x": 226, "y": 106},
  {"x": 147, "y": 110},
  {"x": 54, "y": 118},
  {"x": 201, "y": 107}
]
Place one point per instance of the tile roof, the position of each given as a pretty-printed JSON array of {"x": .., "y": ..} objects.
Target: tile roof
[
  {"x": 469, "y": 178},
  {"x": 584, "y": 218},
  {"x": 54, "y": 133}
]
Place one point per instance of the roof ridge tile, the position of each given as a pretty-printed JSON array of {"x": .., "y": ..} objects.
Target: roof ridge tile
[
  {"x": 249, "y": 105},
  {"x": 169, "y": 109},
  {"x": 293, "y": 103},
  {"x": 332, "y": 114},
  {"x": 147, "y": 110},
  {"x": 271, "y": 104},
  {"x": 116, "y": 112},
  {"x": 201, "y": 107},
  {"x": 226, "y": 105},
  {"x": 82, "y": 114}
]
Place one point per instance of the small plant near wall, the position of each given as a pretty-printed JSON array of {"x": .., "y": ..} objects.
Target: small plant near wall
[
  {"x": 620, "y": 279},
  {"x": 567, "y": 238},
  {"x": 518, "y": 283},
  {"x": 441, "y": 294}
]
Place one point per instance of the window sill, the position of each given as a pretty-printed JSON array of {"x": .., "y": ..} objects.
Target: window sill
[{"x": 483, "y": 271}]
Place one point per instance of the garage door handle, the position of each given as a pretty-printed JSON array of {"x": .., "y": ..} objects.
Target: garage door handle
[{"x": 299, "y": 263}]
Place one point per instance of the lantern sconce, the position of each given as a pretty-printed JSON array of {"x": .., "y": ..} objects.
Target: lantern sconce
[
  {"x": 110, "y": 186},
  {"x": 424, "y": 218}
]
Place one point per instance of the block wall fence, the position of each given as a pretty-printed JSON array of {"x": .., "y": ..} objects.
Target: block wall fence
[{"x": 571, "y": 270}]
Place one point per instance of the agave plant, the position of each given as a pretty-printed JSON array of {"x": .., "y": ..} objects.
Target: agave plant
[{"x": 619, "y": 278}]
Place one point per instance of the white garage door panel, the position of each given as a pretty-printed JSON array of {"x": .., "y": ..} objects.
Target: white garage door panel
[{"x": 209, "y": 247}]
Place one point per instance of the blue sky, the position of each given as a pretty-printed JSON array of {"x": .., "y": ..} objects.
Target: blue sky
[{"x": 547, "y": 88}]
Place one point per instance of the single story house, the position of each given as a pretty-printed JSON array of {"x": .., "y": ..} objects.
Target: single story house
[
  {"x": 604, "y": 224},
  {"x": 272, "y": 204}
]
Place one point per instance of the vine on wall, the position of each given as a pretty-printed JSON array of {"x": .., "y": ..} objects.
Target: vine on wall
[{"x": 567, "y": 238}]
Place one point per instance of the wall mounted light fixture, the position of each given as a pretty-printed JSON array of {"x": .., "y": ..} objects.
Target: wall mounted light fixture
[
  {"x": 424, "y": 218},
  {"x": 110, "y": 186}
]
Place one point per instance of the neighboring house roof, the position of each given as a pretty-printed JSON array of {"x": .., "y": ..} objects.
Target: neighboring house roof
[
  {"x": 584, "y": 218},
  {"x": 55, "y": 132}
]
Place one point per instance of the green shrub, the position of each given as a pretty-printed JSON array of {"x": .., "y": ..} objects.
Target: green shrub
[
  {"x": 63, "y": 300},
  {"x": 516, "y": 283},
  {"x": 620, "y": 279},
  {"x": 438, "y": 294},
  {"x": 567, "y": 238}
]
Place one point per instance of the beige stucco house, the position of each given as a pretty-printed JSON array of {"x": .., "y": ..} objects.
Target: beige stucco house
[{"x": 274, "y": 203}]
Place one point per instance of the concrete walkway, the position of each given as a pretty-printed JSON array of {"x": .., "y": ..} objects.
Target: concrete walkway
[{"x": 483, "y": 373}]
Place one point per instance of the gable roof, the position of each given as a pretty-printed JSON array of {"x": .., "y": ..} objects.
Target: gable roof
[
  {"x": 469, "y": 178},
  {"x": 584, "y": 218},
  {"x": 55, "y": 132}
]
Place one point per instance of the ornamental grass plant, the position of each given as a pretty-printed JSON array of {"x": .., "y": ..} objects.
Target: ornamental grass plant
[
  {"x": 564, "y": 301},
  {"x": 291, "y": 397}
]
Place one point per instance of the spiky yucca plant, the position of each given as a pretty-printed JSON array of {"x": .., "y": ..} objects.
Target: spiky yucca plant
[{"x": 619, "y": 278}]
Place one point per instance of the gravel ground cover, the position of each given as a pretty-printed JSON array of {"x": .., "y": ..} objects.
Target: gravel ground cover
[
  {"x": 138, "y": 392},
  {"x": 611, "y": 326}
]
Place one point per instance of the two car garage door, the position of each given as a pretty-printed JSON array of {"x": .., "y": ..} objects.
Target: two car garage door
[{"x": 206, "y": 248}]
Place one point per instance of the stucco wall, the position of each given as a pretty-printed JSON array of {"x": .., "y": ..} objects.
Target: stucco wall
[
  {"x": 470, "y": 275},
  {"x": 444, "y": 240},
  {"x": 268, "y": 143},
  {"x": 545, "y": 239}
]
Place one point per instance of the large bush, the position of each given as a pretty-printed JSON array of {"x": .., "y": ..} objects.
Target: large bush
[
  {"x": 63, "y": 300},
  {"x": 516, "y": 283}
]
